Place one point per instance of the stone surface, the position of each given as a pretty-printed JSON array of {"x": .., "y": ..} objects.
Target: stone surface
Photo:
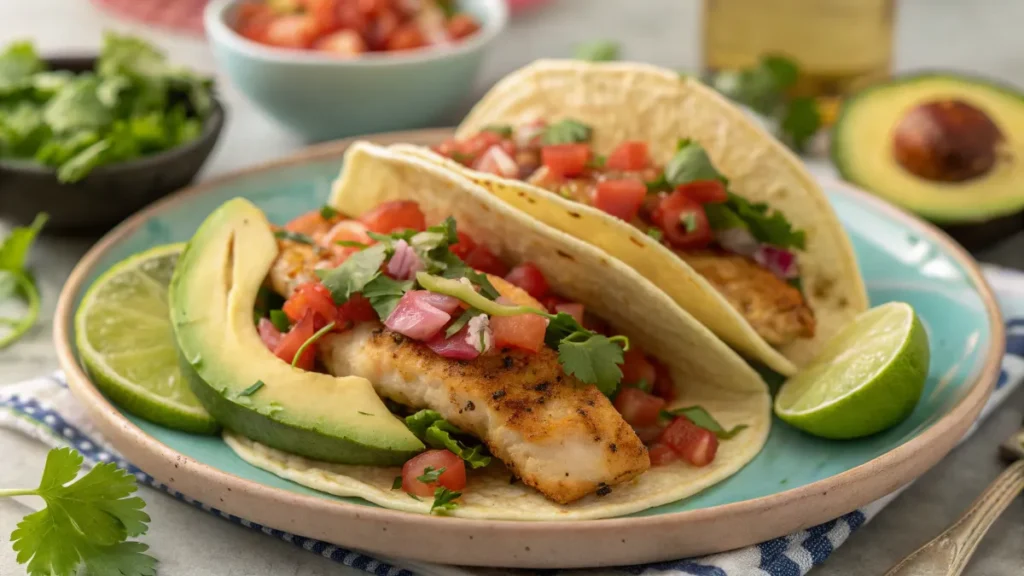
[{"x": 981, "y": 37}]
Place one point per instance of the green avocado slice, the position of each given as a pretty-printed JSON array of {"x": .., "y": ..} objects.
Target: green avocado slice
[
  {"x": 864, "y": 140},
  {"x": 212, "y": 296}
]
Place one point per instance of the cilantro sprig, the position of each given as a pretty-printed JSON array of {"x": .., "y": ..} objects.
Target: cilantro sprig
[
  {"x": 16, "y": 282},
  {"x": 432, "y": 429},
  {"x": 566, "y": 131},
  {"x": 701, "y": 417},
  {"x": 430, "y": 475},
  {"x": 597, "y": 51},
  {"x": 86, "y": 522},
  {"x": 444, "y": 500}
]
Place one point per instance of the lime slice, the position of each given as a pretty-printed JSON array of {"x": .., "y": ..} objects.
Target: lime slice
[
  {"x": 867, "y": 378},
  {"x": 124, "y": 338}
]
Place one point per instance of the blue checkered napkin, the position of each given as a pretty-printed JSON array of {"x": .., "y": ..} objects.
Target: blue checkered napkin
[{"x": 44, "y": 409}]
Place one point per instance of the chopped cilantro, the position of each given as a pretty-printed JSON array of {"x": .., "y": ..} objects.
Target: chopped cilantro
[
  {"x": 461, "y": 321},
  {"x": 461, "y": 157},
  {"x": 430, "y": 475},
  {"x": 597, "y": 51},
  {"x": 364, "y": 413},
  {"x": 310, "y": 341},
  {"x": 796, "y": 283},
  {"x": 252, "y": 389},
  {"x": 690, "y": 164},
  {"x": 689, "y": 221},
  {"x": 503, "y": 130},
  {"x": 594, "y": 359},
  {"x": 280, "y": 320},
  {"x": 800, "y": 120},
  {"x": 597, "y": 161},
  {"x": 767, "y": 225},
  {"x": 350, "y": 244},
  {"x": 384, "y": 292},
  {"x": 784, "y": 71},
  {"x": 354, "y": 273},
  {"x": 644, "y": 385},
  {"x": 436, "y": 432},
  {"x": 567, "y": 131},
  {"x": 326, "y": 212},
  {"x": 396, "y": 484},
  {"x": 702, "y": 418},
  {"x": 444, "y": 501},
  {"x": 294, "y": 237},
  {"x": 655, "y": 232},
  {"x": 15, "y": 279},
  {"x": 659, "y": 185},
  {"x": 414, "y": 497}
]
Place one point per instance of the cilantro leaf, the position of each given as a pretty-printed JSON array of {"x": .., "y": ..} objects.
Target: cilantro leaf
[
  {"x": 436, "y": 432},
  {"x": 294, "y": 237},
  {"x": 593, "y": 360},
  {"x": 252, "y": 389},
  {"x": 18, "y": 63},
  {"x": 444, "y": 501},
  {"x": 76, "y": 107},
  {"x": 15, "y": 280},
  {"x": 455, "y": 268},
  {"x": 655, "y": 232},
  {"x": 327, "y": 212},
  {"x": 354, "y": 273},
  {"x": 280, "y": 320},
  {"x": 767, "y": 225},
  {"x": 85, "y": 522},
  {"x": 567, "y": 131},
  {"x": 384, "y": 292},
  {"x": 800, "y": 120},
  {"x": 461, "y": 321},
  {"x": 560, "y": 327},
  {"x": 783, "y": 70},
  {"x": 430, "y": 475},
  {"x": 14, "y": 250},
  {"x": 690, "y": 164},
  {"x": 503, "y": 130},
  {"x": 597, "y": 51},
  {"x": 396, "y": 484},
  {"x": 702, "y": 418},
  {"x": 350, "y": 244}
]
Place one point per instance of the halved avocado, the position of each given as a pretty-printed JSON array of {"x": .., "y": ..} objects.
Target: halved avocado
[
  {"x": 948, "y": 147},
  {"x": 212, "y": 295}
]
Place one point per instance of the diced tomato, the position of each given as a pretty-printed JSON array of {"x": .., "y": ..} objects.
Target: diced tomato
[
  {"x": 291, "y": 342},
  {"x": 629, "y": 156},
  {"x": 343, "y": 43},
  {"x": 483, "y": 260},
  {"x": 395, "y": 215},
  {"x": 406, "y": 37},
  {"x": 477, "y": 144},
  {"x": 452, "y": 149},
  {"x": 350, "y": 18},
  {"x": 453, "y": 477},
  {"x": 311, "y": 296},
  {"x": 307, "y": 223},
  {"x": 637, "y": 407},
  {"x": 528, "y": 277},
  {"x": 464, "y": 246},
  {"x": 648, "y": 434},
  {"x": 636, "y": 367},
  {"x": 381, "y": 30},
  {"x": 565, "y": 159},
  {"x": 524, "y": 331},
  {"x": 372, "y": 7},
  {"x": 254, "y": 19},
  {"x": 269, "y": 333},
  {"x": 661, "y": 455},
  {"x": 704, "y": 191},
  {"x": 694, "y": 444},
  {"x": 620, "y": 198},
  {"x": 552, "y": 301},
  {"x": 574, "y": 309},
  {"x": 675, "y": 214},
  {"x": 462, "y": 25},
  {"x": 324, "y": 13},
  {"x": 292, "y": 31},
  {"x": 357, "y": 309},
  {"x": 664, "y": 386}
]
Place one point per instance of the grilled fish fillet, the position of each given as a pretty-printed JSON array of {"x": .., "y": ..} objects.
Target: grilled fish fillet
[
  {"x": 774, "y": 308},
  {"x": 558, "y": 435}
]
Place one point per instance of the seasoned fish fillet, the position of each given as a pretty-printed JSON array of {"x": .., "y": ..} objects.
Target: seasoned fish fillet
[
  {"x": 556, "y": 434},
  {"x": 774, "y": 308}
]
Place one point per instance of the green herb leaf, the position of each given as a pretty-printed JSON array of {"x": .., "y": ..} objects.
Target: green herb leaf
[
  {"x": 503, "y": 130},
  {"x": 644, "y": 385},
  {"x": 594, "y": 359},
  {"x": 384, "y": 292},
  {"x": 444, "y": 501},
  {"x": 597, "y": 51},
  {"x": 252, "y": 389},
  {"x": 783, "y": 70},
  {"x": 430, "y": 475},
  {"x": 280, "y": 320},
  {"x": 327, "y": 212},
  {"x": 655, "y": 232},
  {"x": 354, "y": 273},
  {"x": 659, "y": 185},
  {"x": 436, "y": 432},
  {"x": 455, "y": 268},
  {"x": 800, "y": 121},
  {"x": 461, "y": 321},
  {"x": 15, "y": 280},
  {"x": 567, "y": 131},
  {"x": 702, "y": 418},
  {"x": 310, "y": 341},
  {"x": 85, "y": 522},
  {"x": 294, "y": 237},
  {"x": 18, "y": 63},
  {"x": 14, "y": 249},
  {"x": 690, "y": 164},
  {"x": 397, "y": 483},
  {"x": 722, "y": 217},
  {"x": 597, "y": 161},
  {"x": 351, "y": 244},
  {"x": 689, "y": 221},
  {"x": 767, "y": 225}
]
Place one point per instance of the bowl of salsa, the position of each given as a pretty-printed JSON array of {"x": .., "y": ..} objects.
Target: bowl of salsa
[{"x": 334, "y": 68}]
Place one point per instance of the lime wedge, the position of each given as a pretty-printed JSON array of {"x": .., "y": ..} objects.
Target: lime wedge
[
  {"x": 124, "y": 338},
  {"x": 867, "y": 378}
]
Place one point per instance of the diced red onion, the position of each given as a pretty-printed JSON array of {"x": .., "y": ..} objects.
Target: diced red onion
[
  {"x": 269, "y": 333},
  {"x": 573, "y": 309},
  {"x": 442, "y": 302},
  {"x": 416, "y": 318},
  {"x": 779, "y": 261},
  {"x": 525, "y": 134},
  {"x": 456, "y": 347},
  {"x": 405, "y": 263},
  {"x": 496, "y": 161},
  {"x": 738, "y": 240}
]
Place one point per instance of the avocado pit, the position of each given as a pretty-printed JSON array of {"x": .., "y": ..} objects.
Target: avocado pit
[{"x": 946, "y": 141}]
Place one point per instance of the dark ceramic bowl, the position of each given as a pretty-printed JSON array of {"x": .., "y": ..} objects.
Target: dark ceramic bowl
[{"x": 108, "y": 194}]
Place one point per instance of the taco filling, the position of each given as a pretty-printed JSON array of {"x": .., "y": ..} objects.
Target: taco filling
[
  {"x": 481, "y": 358},
  {"x": 745, "y": 250}
]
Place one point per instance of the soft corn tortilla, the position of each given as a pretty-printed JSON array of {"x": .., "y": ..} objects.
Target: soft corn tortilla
[
  {"x": 639, "y": 102},
  {"x": 705, "y": 370}
]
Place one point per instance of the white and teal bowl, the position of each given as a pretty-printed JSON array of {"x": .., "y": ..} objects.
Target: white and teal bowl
[{"x": 321, "y": 97}]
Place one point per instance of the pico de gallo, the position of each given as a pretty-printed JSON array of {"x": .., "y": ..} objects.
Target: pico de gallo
[
  {"x": 741, "y": 248},
  {"x": 350, "y": 28},
  {"x": 433, "y": 284}
]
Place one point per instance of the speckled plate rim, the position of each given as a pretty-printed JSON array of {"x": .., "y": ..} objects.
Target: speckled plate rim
[{"x": 557, "y": 544}]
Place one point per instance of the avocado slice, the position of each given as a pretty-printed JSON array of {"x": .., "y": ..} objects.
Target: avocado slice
[
  {"x": 948, "y": 147},
  {"x": 212, "y": 294}
]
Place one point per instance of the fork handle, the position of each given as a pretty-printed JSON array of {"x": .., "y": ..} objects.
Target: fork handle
[{"x": 948, "y": 553}]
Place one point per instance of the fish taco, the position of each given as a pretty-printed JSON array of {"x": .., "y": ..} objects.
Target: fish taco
[
  {"x": 519, "y": 373},
  {"x": 664, "y": 174}
]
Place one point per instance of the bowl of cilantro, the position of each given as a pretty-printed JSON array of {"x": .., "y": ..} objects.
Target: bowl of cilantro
[{"x": 91, "y": 140}]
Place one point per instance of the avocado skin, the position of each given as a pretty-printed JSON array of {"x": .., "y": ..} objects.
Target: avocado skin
[{"x": 972, "y": 232}]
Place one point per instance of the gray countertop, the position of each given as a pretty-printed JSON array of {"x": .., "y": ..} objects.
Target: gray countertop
[{"x": 981, "y": 36}]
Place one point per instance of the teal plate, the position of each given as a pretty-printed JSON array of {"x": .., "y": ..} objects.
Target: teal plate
[{"x": 797, "y": 480}]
